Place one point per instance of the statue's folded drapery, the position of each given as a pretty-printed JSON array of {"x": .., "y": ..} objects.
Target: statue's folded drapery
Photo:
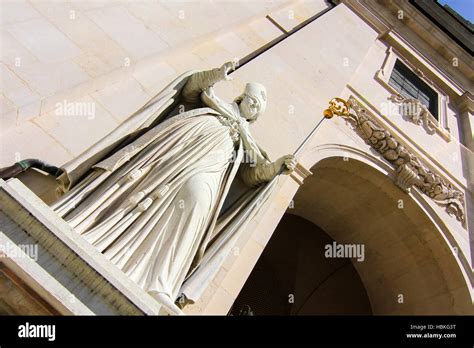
[{"x": 151, "y": 194}]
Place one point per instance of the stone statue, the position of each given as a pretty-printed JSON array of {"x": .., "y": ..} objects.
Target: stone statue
[{"x": 150, "y": 195}]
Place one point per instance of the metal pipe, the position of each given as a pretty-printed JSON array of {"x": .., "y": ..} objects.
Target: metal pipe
[{"x": 22, "y": 166}]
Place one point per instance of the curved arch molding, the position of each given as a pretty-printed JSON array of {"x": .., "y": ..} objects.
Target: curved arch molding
[{"x": 326, "y": 151}]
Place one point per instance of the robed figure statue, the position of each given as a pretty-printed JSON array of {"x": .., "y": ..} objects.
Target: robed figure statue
[{"x": 151, "y": 195}]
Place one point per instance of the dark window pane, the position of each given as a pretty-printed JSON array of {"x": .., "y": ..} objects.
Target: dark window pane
[
  {"x": 411, "y": 90},
  {"x": 424, "y": 99},
  {"x": 409, "y": 85}
]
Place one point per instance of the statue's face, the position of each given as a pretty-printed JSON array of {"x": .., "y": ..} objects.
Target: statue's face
[{"x": 249, "y": 108}]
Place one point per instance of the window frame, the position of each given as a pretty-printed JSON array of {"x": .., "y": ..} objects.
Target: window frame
[
  {"x": 385, "y": 72},
  {"x": 409, "y": 77}
]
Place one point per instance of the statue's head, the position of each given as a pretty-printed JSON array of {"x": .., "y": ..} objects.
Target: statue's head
[{"x": 252, "y": 102}]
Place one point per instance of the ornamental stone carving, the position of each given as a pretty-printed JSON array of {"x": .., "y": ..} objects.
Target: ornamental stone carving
[
  {"x": 416, "y": 112},
  {"x": 411, "y": 171}
]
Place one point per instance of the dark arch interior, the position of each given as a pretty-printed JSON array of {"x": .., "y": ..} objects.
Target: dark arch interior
[{"x": 293, "y": 276}]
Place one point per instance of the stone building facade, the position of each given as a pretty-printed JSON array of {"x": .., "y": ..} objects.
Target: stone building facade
[{"x": 395, "y": 177}]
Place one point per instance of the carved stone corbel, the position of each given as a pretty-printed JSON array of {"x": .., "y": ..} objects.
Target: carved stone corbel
[{"x": 407, "y": 176}]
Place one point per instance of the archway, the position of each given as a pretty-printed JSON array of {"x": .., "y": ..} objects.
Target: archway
[
  {"x": 292, "y": 276},
  {"x": 407, "y": 267}
]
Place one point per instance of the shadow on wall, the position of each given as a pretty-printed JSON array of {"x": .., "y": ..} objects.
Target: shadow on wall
[{"x": 293, "y": 277}]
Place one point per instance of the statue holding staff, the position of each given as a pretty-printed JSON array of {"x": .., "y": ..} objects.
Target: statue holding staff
[{"x": 153, "y": 195}]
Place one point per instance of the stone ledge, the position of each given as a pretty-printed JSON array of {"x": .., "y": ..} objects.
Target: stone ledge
[
  {"x": 41, "y": 281},
  {"x": 63, "y": 254}
]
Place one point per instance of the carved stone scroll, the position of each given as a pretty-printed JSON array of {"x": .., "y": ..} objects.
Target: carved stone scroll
[
  {"x": 411, "y": 171},
  {"x": 416, "y": 112}
]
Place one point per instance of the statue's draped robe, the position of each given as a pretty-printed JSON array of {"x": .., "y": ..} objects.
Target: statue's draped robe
[{"x": 151, "y": 194}]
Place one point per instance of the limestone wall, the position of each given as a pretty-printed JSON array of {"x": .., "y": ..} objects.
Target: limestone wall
[{"x": 112, "y": 56}]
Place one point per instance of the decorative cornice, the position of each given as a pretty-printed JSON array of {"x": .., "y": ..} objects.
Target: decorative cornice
[
  {"x": 466, "y": 103},
  {"x": 422, "y": 34},
  {"x": 411, "y": 170}
]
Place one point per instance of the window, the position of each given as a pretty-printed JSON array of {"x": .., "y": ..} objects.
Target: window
[{"x": 409, "y": 85}]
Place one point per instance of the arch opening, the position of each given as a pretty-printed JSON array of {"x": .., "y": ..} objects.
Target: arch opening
[{"x": 407, "y": 267}]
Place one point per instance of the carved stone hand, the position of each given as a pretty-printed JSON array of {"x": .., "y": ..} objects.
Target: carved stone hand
[
  {"x": 226, "y": 68},
  {"x": 286, "y": 164}
]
